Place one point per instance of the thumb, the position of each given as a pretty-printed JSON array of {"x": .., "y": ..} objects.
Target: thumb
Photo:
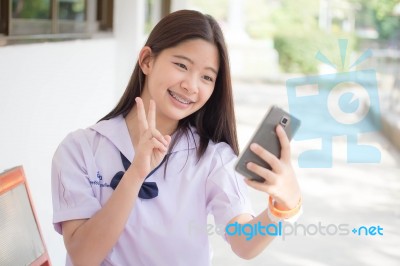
[{"x": 168, "y": 139}]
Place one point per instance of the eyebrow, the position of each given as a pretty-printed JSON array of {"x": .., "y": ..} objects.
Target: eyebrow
[{"x": 191, "y": 61}]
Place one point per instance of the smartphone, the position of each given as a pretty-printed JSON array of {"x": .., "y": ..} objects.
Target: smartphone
[{"x": 266, "y": 137}]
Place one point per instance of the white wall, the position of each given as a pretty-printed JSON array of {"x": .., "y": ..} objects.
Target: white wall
[
  {"x": 46, "y": 91},
  {"x": 50, "y": 89},
  {"x": 128, "y": 32}
]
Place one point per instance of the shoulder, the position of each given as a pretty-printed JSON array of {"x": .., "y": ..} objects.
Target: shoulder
[
  {"x": 213, "y": 148},
  {"x": 79, "y": 138},
  {"x": 89, "y": 136},
  {"x": 216, "y": 152},
  {"x": 76, "y": 144},
  {"x": 221, "y": 149},
  {"x": 219, "y": 155}
]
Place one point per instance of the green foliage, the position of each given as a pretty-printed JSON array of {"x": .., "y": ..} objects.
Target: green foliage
[
  {"x": 294, "y": 55},
  {"x": 32, "y": 9},
  {"x": 298, "y": 17},
  {"x": 296, "y": 34},
  {"x": 297, "y": 51},
  {"x": 258, "y": 23},
  {"x": 297, "y": 37},
  {"x": 294, "y": 26},
  {"x": 379, "y": 15}
]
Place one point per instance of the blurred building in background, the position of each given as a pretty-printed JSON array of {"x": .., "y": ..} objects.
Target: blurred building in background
[
  {"x": 25, "y": 20},
  {"x": 53, "y": 19}
]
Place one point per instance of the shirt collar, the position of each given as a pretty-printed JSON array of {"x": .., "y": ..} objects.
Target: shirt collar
[
  {"x": 191, "y": 141},
  {"x": 116, "y": 130}
]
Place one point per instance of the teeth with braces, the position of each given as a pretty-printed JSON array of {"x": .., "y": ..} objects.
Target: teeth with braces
[{"x": 179, "y": 99}]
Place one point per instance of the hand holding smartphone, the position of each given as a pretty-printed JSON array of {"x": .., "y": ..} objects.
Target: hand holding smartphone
[{"x": 266, "y": 137}]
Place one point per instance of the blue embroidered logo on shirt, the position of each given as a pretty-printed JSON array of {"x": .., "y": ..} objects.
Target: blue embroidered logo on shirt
[
  {"x": 99, "y": 181},
  {"x": 99, "y": 176}
]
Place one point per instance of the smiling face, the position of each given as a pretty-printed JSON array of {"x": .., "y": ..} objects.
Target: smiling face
[{"x": 180, "y": 79}]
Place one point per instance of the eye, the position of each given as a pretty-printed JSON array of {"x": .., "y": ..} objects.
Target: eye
[
  {"x": 181, "y": 65},
  {"x": 208, "y": 78}
]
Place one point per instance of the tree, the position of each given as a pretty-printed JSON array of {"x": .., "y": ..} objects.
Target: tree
[{"x": 379, "y": 14}]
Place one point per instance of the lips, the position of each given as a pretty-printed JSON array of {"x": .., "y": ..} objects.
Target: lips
[{"x": 180, "y": 98}]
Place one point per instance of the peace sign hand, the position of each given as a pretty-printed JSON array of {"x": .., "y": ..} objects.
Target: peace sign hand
[{"x": 152, "y": 145}]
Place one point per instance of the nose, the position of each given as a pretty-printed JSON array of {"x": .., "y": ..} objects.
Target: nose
[{"x": 190, "y": 85}]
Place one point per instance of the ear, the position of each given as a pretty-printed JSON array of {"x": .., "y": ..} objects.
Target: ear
[{"x": 145, "y": 60}]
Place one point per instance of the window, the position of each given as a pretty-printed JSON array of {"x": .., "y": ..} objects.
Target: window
[
  {"x": 72, "y": 16},
  {"x": 72, "y": 10},
  {"x": 23, "y": 21},
  {"x": 3, "y": 17},
  {"x": 32, "y": 9}
]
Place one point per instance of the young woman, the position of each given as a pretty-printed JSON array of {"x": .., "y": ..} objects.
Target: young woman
[{"x": 129, "y": 189}]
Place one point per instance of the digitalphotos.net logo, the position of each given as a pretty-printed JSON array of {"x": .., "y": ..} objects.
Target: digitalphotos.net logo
[
  {"x": 338, "y": 104},
  {"x": 284, "y": 230}
]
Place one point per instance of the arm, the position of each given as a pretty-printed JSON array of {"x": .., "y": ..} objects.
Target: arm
[
  {"x": 89, "y": 241},
  {"x": 281, "y": 184},
  {"x": 248, "y": 249}
]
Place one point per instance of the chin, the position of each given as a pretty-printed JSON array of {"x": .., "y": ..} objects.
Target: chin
[
  {"x": 177, "y": 115},
  {"x": 173, "y": 116}
]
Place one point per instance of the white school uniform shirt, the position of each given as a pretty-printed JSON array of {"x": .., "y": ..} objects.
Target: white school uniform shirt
[{"x": 170, "y": 229}]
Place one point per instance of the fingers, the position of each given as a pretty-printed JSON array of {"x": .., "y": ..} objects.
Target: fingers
[
  {"x": 285, "y": 144},
  {"x": 161, "y": 142},
  {"x": 159, "y": 145},
  {"x": 151, "y": 119},
  {"x": 156, "y": 134},
  {"x": 261, "y": 171},
  {"x": 257, "y": 185},
  {"x": 271, "y": 159},
  {"x": 143, "y": 125},
  {"x": 147, "y": 126},
  {"x": 168, "y": 139},
  {"x": 151, "y": 116},
  {"x": 281, "y": 181}
]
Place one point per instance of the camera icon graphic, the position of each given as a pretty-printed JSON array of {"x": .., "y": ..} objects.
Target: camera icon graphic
[{"x": 338, "y": 104}]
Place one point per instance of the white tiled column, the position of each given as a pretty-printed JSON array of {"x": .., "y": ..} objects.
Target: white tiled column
[{"x": 92, "y": 25}]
